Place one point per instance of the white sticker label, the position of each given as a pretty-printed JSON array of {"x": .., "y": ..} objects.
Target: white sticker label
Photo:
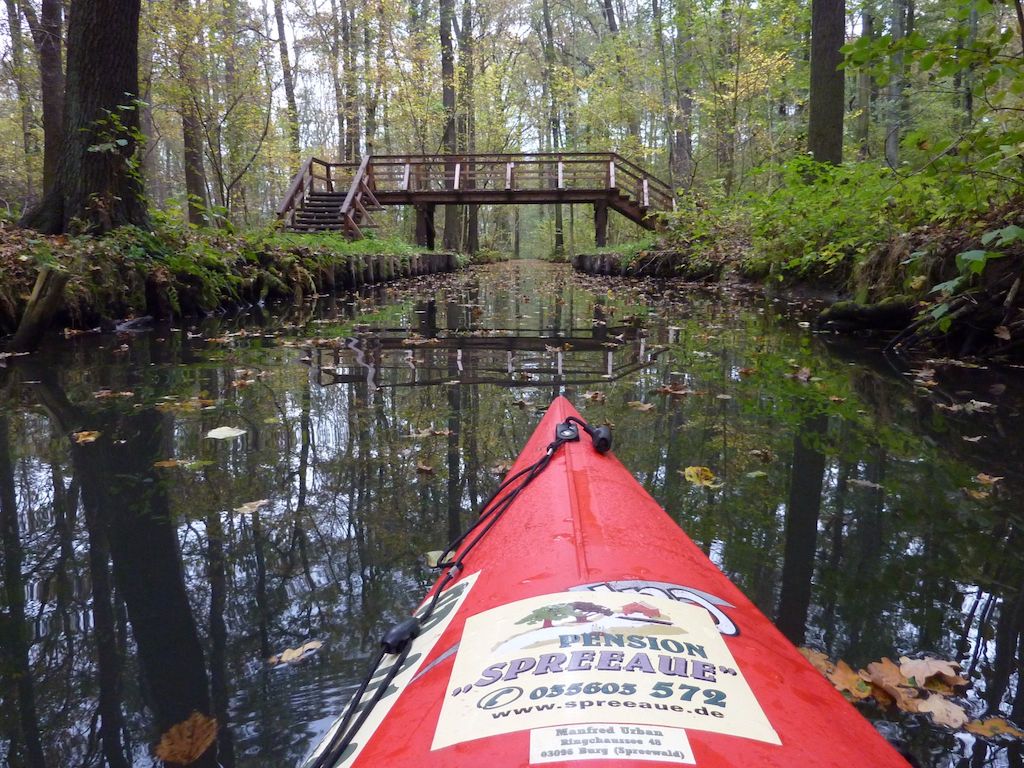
[
  {"x": 571, "y": 658},
  {"x": 610, "y": 741}
]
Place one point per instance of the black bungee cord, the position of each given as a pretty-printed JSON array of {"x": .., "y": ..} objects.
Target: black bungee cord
[{"x": 398, "y": 640}]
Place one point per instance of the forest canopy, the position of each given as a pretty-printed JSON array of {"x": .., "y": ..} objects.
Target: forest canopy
[{"x": 712, "y": 95}]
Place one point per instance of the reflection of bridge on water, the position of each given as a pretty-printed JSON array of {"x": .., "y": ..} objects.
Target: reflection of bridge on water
[{"x": 394, "y": 358}]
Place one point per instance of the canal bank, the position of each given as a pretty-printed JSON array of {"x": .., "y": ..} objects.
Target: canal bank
[{"x": 174, "y": 272}]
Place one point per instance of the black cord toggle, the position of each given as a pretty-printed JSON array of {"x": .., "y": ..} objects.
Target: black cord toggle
[
  {"x": 601, "y": 437},
  {"x": 399, "y": 636}
]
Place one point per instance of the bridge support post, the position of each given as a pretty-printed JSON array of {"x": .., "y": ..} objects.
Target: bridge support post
[
  {"x": 425, "y": 231},
  {"x": 601, "y": 223}
]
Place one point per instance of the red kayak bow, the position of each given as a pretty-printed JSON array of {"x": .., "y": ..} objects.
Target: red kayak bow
[{"x": 586, "y": 626}]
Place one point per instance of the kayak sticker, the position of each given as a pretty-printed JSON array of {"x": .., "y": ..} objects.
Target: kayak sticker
[
  {"x": 444, "y": 612},
  {"x": 610, "y": 741},
  {"x": 567, "y": 658},
  {"x": 711, "y": 603}
]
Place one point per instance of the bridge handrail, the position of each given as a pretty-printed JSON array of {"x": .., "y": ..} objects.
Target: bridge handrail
[
  {"x": 646, "y": 188},
  {"x": 302, "y": 184}
]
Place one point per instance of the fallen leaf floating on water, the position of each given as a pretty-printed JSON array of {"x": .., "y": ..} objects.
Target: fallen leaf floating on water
[
  {"x": 886, "y": 676},
  {"x": 501, "y": 469},
  {"x": 225, "y": 433},
  {"x": 424, "y": 468},
  {"x": 595, "y": 397},
  {"x": 994, "y": 726},
  {"x": 1002, "y": 332},
  {"x": 818, "y": 660},
  {"x": 757, "y": 474},
  {"x": 166, "y": 463},
  {"x": 837, "y": 399},
  {"x": 971, "y": 406},
  {"x": 922, "y": 669},
  {"x": 104, "y": 394},
  {"x": 251, "y": 506},
  {"x": 636, "y": 405},
  {"x": 186, "y": 742},
  {"x": 844, "y": 678},
  {"x": 85, "y": 437},
  {"x": 984, "y": 479},
  {"x": 974, "y": 439},
  {"x": 673, "y": 390},
  {"x": 864, "y": 484},
  {"x": 294, "y": 655},
  {"x": 975, "y": 494},
  {"x": 701, "y": 476},
  {"x": 766, "y": 456},
  {"x": 943, "y": 711}
]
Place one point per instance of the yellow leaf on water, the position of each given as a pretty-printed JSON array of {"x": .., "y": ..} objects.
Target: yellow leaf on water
[
  {"x": 700, "y": 476},
  {"x": 424, "y": 468},
  {"x": 595, "y": 397},
  {"x": 85, "y": 437},
  {"x": 166, "y": 463},
  {"x": 291, "y": 655},
  {"x": 818, "y": 660},
  {"x": 994, "y": 726},
  {"x": 943, "y": 711},
  {"x": 984, "y": 479},
  {"x": 844, "y": 678},
  {"x": 639, "y": 406},
  {"x": 186, "y": 742},
  {"x": 886, "y": 677},
  {"x": 252, "y": 506}
]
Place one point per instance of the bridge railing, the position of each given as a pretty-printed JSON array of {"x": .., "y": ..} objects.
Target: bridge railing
[
  {"x": 598, "y": 171},
  {"x": 314, "y": 175},
  {"x": 510, "y": 172}
]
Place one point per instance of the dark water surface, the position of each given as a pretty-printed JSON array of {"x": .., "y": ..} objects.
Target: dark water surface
[{"x": 142, "y": 583}]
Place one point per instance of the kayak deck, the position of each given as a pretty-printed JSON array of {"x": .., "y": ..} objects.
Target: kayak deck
[{"x": 586, "y": 626}]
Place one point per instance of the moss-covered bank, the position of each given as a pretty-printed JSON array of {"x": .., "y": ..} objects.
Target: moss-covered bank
[{"x": 174, "y": 271}]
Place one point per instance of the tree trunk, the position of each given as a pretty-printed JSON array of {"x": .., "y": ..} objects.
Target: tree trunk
[
  {"x": 191, "y": 128},
  {"x": 554, "y": 123},
  {"x": 46, "y": 35},
  {"x": 864, "y": 86},
  {"x": 351, "y": 86},
  {"x": 98, "y": 185},
  {"x": 452, "y": 227},
  {"x": 827, "y": 96},
  {"x": 334, "y": 60},
  {"x": 289, "y": 82},
  {"x": 471, "y": 240},
  {"x": 895, "y": 96},
  {"x": 21, "y": 89},
  {"x": 681, "y": 162}
]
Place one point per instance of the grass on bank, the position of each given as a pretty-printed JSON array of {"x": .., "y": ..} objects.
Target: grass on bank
[{"x": 173, "y": 269}]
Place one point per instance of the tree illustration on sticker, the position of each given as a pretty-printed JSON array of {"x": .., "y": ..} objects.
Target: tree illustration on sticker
[
  {"x": 585, "y": 612},
  {"x": 548, "y": 614}
]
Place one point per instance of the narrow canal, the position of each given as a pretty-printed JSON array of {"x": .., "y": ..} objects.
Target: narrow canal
[{"x": 150, "y": 569}]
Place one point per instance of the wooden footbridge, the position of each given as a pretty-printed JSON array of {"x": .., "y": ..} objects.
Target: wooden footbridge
[{"x": 342, "y": 197}]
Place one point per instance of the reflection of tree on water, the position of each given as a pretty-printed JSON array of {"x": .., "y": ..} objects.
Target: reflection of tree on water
[
  {"x": 127, "y": 504},
  {"x": 18, "y": 686}
]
